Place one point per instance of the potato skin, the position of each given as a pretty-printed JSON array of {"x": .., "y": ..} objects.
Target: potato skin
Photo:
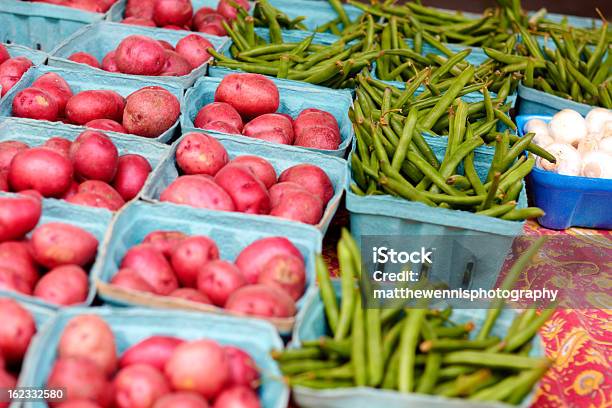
[
  {"x": 106, "y": 125},
  {"x": 165, "y": 241},
  {"x": 312, "y": 178},
  {"x": 109, "y": 63},
  {"x": 154, "y": 350},
  {"x": 194, "y": 49},
  {"x": 138, "y": 386},
  {"x": 251, "y": 95},
  {"x": 299, "y": 205},
  {"x": 128, "y": 279},
  {"x": 228, "y": 11},
  {"x": 192, "y": 295},
  {"x": 254, "y": 257},
  {"x": 176, "y": 64},
  {"x": 238, "y": 395},
  {"x": 218, "y": 280},
  {"x": 8, "y": 150},
  {"x": 85, "y": 58},
  {"x": 140, "y": 55},
  {"x": 56, "y": 244},
  {"x": 262, "y": 168},
  {"x": 64, "y": 285},
  {"x": 132, "y": 173},
  {"x": 190, "y": 255},
  {"x": 58, "y": 145},
  {"x": 11, "y": 72},
  {"x": 35, "y": 103},
  {"x": 94, "y": 104},
  {"x": 198, "y": 153},
  {"x": 16, "y": 331},
  {"x": 198, "y": 191},
  {"x": 243, "y": 370},
  {"x": 28, "y": 165},
  {"x": 248, "y": 193},
  {"x": 218, "y": 112},
  {"x": 181, "y": 400},
  {"x": 261, "y": 300},
  {"x": 152, "y": 266},
  {"x": 56, "y": 87},
  {"x": 286, "y": 272},
  {"x": 18, "y": 216},
  {"x": 82, "y": 379},
  {"x": 16, "y": 255},
  {"x": 94, "y": 156},
  {"x": 270, "y": 123},
  {"x": 150, "y": 111}
]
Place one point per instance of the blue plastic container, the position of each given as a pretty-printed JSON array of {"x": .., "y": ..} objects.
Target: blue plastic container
[
  {"x": 132, "y": 326},
  {"x": 231, "y": 231},
  {"x": 82, "y": 81},
  {"x": 93, "y": 220},
  {"x": 101, "y": 38},
  {"x": 311, "y": 325},
  {"x": 317, "y": 13},
  {"x": 293, "y": 100},
  {"x": 281, "y": 157},
  {"x": 488, "y": 239},
  {"x": 43, "y": 26},
  {"x": 535, "y": 102},
  {"x": 568, "y": 201},
  {"x": 35, "y": 133}
]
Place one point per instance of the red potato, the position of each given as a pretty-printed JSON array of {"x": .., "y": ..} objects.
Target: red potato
[
  {"x": 85, "y": 58},
  {"x": 191, "y": 295},
  {"x": 106, "y": 124},
  {"x": 8, "y": 150},
  {"x": 262, "y": 168},
  {"x": 90, "y": 200},
  {"x": 228, "y": 11},
  {"x": 139, "y": 386},
  {"x": 90, "y": 337},
  {"x": 81, "y": 379},
  {"x": 254, "y": 257},
  {"x": 190, "y": 255},
  {"x": 58, "y": 145},
  {"x": 194, "y": 48},
  {"x": 200, "y": 366},
  {"x": 271, "y": 123},
  {"x": 56, "y": 87},
  {"x": 211, "y": 24},
  {"x": 109, "y": 63},
  {"x": 150, "y": 111},
  {"x": 279, "y": 190},
  {"x": 237, "y": 397},
  {"x": 132, "y": 173},
  {"x": 199, "y": 16},
  {"x": 152, "y": 266},
  {"x": 103, "y": 190},
  {"x": 218, "y": 112},
  {"x": 165, "y": 241},
  {"x": 11, "y": 281},
  {"x": 262, "y": 301},
  {"x": 198, "y": 153},
  {"x": 35, "y": 103},
  {"x": 11, "y": 72},
  {"x": 16, "y": 255},
  {"x": 166, "y": 45},
  {"x": 318, "y": 137},
  {"x": 251, "y": 95},
  {"x": 72, "y": 191},
  {"x": 176, "y": 65},
  {"x": 172, "y": 12},
  {"x": 286, "y": 272},
  {"x": 154, "y": 351},
  {"x": 181, "y": 400},
  {"x": 198, "y": 191},
  {"x": 94, "y": 156},
  {"x": 90, "y": 105},
  {"x": 140, "y": 8},
  {"x": 18, "y": 216},
  {"x": 218, "y": 280},
  {"x": 128, "y": 279},
  {"x": 140, "y": 55},
  {"x": 78, "y": 404},
  {"x": 40, "y": 169},
  {"x": 248, "y": 193},
  {"x": 316, "y": 117},
  {"x": 56, "y": 244},
  {"x": 4, "y": 185},
  {"x": 16, "y": 331},
  {"x": 243, "y": 370},
  {"x": 87, "y": 5},
  {"x": 144, "y": 22},
  {"x": 221, "y": 127},
  {"x": 4, "y": 54},
  {"x": 312, "y": 178},
  {"x": 64, "y": 285},
  {"x": 299, "y": 205},
  {"x": 175, "y": 27}
]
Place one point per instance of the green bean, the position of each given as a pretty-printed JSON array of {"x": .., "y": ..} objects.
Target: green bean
[
  {"x": 432, "y": 365},
  {"x": 472, "y": 175},
  {"x": 457, "y": 344},
  {"x": 454, "y": 331},
  {"x": 320, "y": 384},
  {"x": 455, "y": 371},
  {"x": 295, "y": 354},
  {"x": 516, "y": 175},
  {"x": 347, "y": 306},
  {"x": 600, "y": 49},
  {"x": 375, "y": 364},
  {"x": 583, "y": 81},
  {"x": 358, "y": 353},
  {"x": 527, "y": 333},
  {"x": 432, "y": 174},
  {"x": 498, "y": 210},
  {"x": 342, "y": 347},
  {"x": 392, "y": 372},
  {"x": 301, "y": 366},
  {"x": 405, "y": 139},
  {"x": 494, "y": 360},
  {"x": 518, "y": 148},
  {"x": 507, "y": 387},
  {"x": 407, "y": 349},
  {"x": 406, "y": 190},
  {"x": 464, "y": 384},
  {"x": 328, "y": 295}
]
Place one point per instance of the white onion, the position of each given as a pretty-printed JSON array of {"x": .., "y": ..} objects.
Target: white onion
[
  {"x": 587, "y": 145},
  {"x": 597, "y": 118},
  {"x": 597, "y": 165},
  {"x": 568, "y": 127},
  {"x": 569, "y": 162}
]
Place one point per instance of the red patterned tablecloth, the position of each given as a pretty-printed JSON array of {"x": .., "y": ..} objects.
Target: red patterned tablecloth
[{"x": 579, "y": 341}]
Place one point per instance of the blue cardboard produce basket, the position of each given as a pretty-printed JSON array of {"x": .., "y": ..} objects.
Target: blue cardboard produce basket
[
  {"x": 93, "y": 220},
  {"x": 101, "y": 38},
  {"x": 43, "y": 26},
  {"x": 487, "y": 239},
  {"x": 568, "y": 201},
  {"x": 134, "y": 325},
  {"x": 231, "y": 231},
  {"x": 281, "y": 158},
  {"x": 317, "y": 13},
  {"x": 535, "y": 102},
  {"x": 16, "y": 50},
  {"x": 82, "y": 81},
  {"x": 293, "y": 100},
  {"x": 35, "y": 133},
  {"x": 311, "y": 325}
]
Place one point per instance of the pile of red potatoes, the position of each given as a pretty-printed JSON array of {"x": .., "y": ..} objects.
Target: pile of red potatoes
[
  {"x": 142, "y": 55},
  {"x": 265, "y": 280},
  {"x": 179, "y": 15},
  {"x": 247, "y": 104},
  {"x": 94, "y": 6},
  {"x": 157, "y": 372},
  {"x": 50, "y": 264},
  {"x": 11, "y": 69},
  {"x": 88, "y": 171},
  {"x": 147, "y": 112}
]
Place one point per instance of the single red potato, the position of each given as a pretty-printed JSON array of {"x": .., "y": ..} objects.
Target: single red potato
[
  {"x": 227, "y": 10},
  {"x": 181, "y": 400},
  {"x": 85, "y": 58},
  {"x": 252, "y": 260},
  {"x": 154, "y": 351},
  {"x": 211, "y": 24},
  {"x": 242, "y": 397},
  {"x": 8, "y": 150},
  {"x": 95, "y": 104},
  {"x": 28, "y": 166},
  {"x": 106, "y": 125},
  {"x": 132, "y": 173},
  {"x": 139, "y": 386},
  {"x": 198, "y": 153},
  {"x": 166, "y": 45},
  {"x": 222, "y": 127},
  {"x": 312, "y": 178},
  {"x": 251, "y": 95},
  {"x": 191, "y": 295},
  {"x": 59, "y": 145},
  {"x": 243, "y": 370},
  {"x": 94, "y": 156},
  {"x": 299, "y": 205},
  {"x": 165, "y": 241},
  {"x": 176, "y": 64},
  {"x": 270, "y": 124},
  {"x": 262, "y": 301},
  {"x": 11, "y": 280},
  {"x": 190, "y": 255},
  {"x": 218, "y": 280},
  {"x": 172, "y": 12},
  {"x": 194, "y": 48},
  {"x": 129, "y": 279},
  {"x": 248, "y": 193},
  {"x": 318, "y": 137},
  {"x": 103, "y": 190},
  {"x": 11, "y": 72},
  {"x": 152, "y": 266},
  {"x": 4, "y": 185},
  {"x": 140, "y": 55},
  {"x": 279, "y": 190},
  {"x": 150, "y": 111},
  {"x": 286, "y": 272},
  {"x": 56, "y": 244},
  {"x": 316, "y": 117},
  {"x": 109, "y": 63},
  {"x": 89, "y": 337},
  {"x": 262, "y": 168},
  {"x": 35, "y": 103},
  {"x": 218, "y": 112},
  {"x": 16, "y": 255},
  {"x": 18, "y": 216},
  {"x": 16, "y": 331},
  {"x": 56, "y": 87},
  {"x": 64, "y": 285},
  {"x": 90, "y": 200},
  {"x": 200, "y": 366},
  {"x": 198, "y": 191},
  {"x": 80, "y": 378}
]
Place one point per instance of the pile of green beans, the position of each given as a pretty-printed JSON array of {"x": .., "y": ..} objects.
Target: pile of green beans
[
  {"x": 393, "y": 157},
  {"x": 263, "y": 12},
  {"x": 417, "y": 350}
]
